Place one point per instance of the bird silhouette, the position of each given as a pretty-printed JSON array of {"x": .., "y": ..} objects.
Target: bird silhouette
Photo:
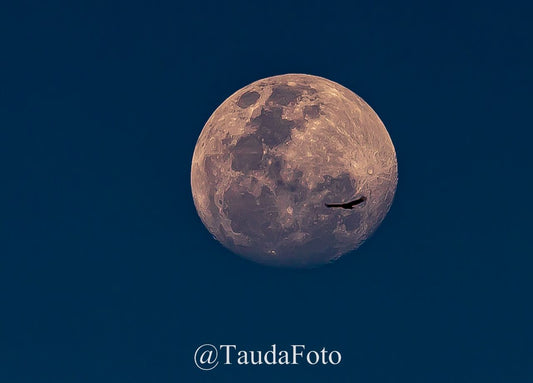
[{"x": 347, "y": 205}]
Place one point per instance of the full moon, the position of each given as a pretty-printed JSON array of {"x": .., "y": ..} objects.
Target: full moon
[{"x": 273, "y": 155}]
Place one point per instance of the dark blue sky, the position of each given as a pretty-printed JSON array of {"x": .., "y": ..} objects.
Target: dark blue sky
[{"x": 108, "y": 275}]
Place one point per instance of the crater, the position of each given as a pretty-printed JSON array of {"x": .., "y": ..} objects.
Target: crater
[
  {"x": 226, "y": 141},
  {"x": 248, "y": 99}
]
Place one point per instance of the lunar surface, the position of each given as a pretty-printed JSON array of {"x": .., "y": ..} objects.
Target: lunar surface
[{"x": 274, "y": 153}]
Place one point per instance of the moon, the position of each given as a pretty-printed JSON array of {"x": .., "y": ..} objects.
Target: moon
[{"x": 274, "y": 153}]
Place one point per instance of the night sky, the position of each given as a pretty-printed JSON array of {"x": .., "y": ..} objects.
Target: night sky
[{"x": 108, "y": 275}]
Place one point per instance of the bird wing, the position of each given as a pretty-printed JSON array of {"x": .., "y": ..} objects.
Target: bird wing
[
  {"x": 357, "y": 201},
  {"x": 335, "y": 204},
  {"x": 347, "y": 205}
]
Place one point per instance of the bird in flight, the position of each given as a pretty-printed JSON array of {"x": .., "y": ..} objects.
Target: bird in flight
[{"x": 347, "y": 205}]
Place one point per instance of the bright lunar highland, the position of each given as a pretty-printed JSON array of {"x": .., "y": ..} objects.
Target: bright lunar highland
[{"x": 274, "y": 153}]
